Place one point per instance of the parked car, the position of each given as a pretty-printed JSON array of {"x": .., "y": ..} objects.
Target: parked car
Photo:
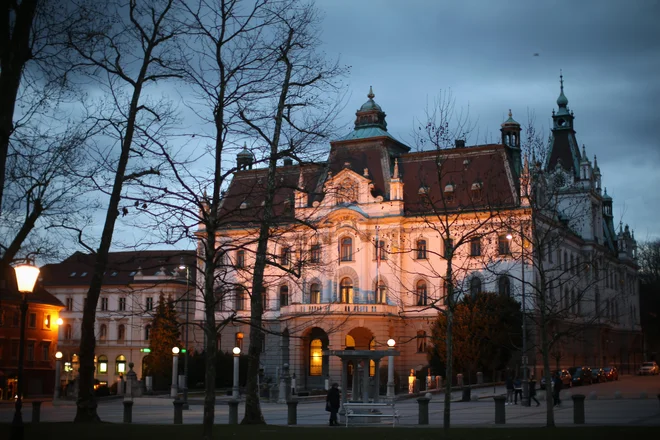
[
  {"x": 648, "y": 368},
  {"x": 611, "y": 373},
  {"x": 565, "y": 378},
  {"x": 581, "y": 375},
  {"x": 598, "y": 374}
]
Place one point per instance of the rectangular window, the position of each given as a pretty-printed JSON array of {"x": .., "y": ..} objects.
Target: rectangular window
[
  {"x": 285, "y": 256},
  {"x": 381, "y": 252},
  {"x": 16, "y": 319},
  {"x": 104, "y": 304},
  {"x": 503, "y": 245},
  {"x": 47, "y": 322},
  {"x": 45, "y": 351},
  {"x": 316, "y": 253},
  {"x": 150, "y": 304},
  {"x": 14, "y": 350},
  {"x": 32, "y": 320},
  {"x": 122, "y": 304},
  {"x": 421, "y": 342},
  {"x": 69, "y": 304},
  {"x": 475, "y": 247},
  {"x": 421, "y": 249},
  {"x": 550, "y": 259},
  {"x": 240, "y": 259},
  {"x": 30, "y": 351}
]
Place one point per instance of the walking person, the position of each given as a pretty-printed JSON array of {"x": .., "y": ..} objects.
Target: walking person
[
  {"x": 332, "y": 403},
  {"x": 517, "y": 390},
  {"x": 556, "y": 389},
  {"x": 532, "y": 392},
  {"x": 509, "y": 390}
]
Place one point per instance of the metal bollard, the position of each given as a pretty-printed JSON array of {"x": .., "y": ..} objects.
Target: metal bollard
[
  {"x": 178, "y": 411},
  {"x": 423, "y": 403},
  {"x": 128, "y": 411},
  {"x": 233, "y": 412},
  {"x": 36, "y": 411},
  {"x": 292, "y": 412},
  {"x": 500, "y": 415},
  {"x": 578, "y": 409}
]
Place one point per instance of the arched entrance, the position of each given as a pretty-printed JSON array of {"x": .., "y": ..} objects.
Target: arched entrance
[
  {"x": 359, "y": 338},
  {"x": 317, "y": 365}
]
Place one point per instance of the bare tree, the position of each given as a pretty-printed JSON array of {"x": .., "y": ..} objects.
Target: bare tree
[
  {"x": 125, "y": 50},
  {"x": 563, "y": 254}
]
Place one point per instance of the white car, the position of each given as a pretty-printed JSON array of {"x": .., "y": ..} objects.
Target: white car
[{"x": 648, "y": 368}]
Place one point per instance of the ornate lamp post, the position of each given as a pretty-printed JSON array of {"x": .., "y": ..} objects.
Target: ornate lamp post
[
  {"x": 234, "y": 390},
  {"x": 185, "y": 355},
  {"x": 58, "y": 362},
  {"x": 390, "y": 369},
  {"x": 175, "y": 371},
  {"x": 26, "y": 277}
]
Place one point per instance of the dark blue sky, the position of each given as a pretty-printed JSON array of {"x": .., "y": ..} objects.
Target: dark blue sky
[{"x": 483, "y": 51}]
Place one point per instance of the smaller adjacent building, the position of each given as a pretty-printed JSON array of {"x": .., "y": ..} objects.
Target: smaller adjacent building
[
  {"x": 41, "y": 332},
  {"x": 132, "y": 285}
]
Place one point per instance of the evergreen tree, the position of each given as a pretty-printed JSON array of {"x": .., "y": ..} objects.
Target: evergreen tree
[{"x": 164, "y": 335}]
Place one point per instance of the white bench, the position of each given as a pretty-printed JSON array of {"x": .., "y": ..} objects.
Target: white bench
[{"x": 370, "y": 410}]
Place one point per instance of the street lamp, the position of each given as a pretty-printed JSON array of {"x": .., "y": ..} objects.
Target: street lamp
[
  {"x": 58, "y": 361},
  {"x": 59, "y": 321},
  {"x": 390, "y": 369},
  {"x": 26, "y": 277},
  {"x": 525, "y": 384},
  {"x": 234, "y": 390},
  {"x": 175, "y": 370},
  {"x": 185, "y": 355}
]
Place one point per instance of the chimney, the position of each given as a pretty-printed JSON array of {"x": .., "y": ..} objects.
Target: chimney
[
  {"x": 460, "y": 143},
  {"x": 288, "y": 161}
]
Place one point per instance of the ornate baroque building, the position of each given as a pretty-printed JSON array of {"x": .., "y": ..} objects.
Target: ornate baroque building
[{"x": 361, "y": 239}]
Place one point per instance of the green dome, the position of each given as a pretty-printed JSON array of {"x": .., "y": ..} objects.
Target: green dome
[
  {"x": 562, "y": 101},
  {"x": 371, "y": 104}
]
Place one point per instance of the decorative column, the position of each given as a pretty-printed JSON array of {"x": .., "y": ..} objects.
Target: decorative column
[
  {"x": 234, "y": 389},
  {"x": 365, "y": 381}
]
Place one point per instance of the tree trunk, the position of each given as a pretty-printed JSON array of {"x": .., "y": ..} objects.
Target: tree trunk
[
  {"x": 253, "y": 414},
  {"x": 210, "y": 331},
  {"x": 448, "y": 342},
  {"x": 15, "y": 53}
]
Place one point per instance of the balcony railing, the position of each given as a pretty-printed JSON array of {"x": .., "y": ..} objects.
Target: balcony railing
[{"x": 338, "y": 309}]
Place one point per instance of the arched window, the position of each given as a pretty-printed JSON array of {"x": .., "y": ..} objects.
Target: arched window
[
  {"x": 284, "y": 295},
  {"x": 475, "y": 286},
  {"x": 103, "y": 364},
  {"x": 346, "y": 290},
  {"x": 147, "y": 332},
  {"x": 315, "y": 294},
  {"x": 346, "y": 249},
  {"x": 421, "y": 249},
  {"x": 121, "y": 332},
  {"x": 381, "y": 293},
  {"x": 421, "y": 341},
  {"x": 422, "y": 293},
  {"x": 349, "y": 343},
  {"x": 68, "y": 332},
  {"x": 103, "y": 332},
  {"x": 316, "y": 358},
  {"x": 120, "y": 364},
  {"x": 504, "y": 286}
]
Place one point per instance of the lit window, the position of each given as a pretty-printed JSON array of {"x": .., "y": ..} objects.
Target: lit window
[
  {"x": 103, "y": 364},
  {"x": 120, "y": 364},
  {"x": 315, "y": 294},
  {"x": 316, "y": 358},
  {"x": 346, "y": 293}
]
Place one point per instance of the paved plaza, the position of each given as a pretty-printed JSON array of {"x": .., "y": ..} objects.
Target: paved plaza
[{"x": 632, "y": 401}]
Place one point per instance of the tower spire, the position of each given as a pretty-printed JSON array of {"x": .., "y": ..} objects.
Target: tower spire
[{"x": 371, "y": 93}]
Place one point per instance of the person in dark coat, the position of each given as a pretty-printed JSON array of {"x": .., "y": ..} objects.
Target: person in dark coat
[
  {"x": 509, "y": 390},
  {"x": 532, "y": 392},
  {"x": 332, "y": 403},
  {"x": 556, "y": 389}
]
